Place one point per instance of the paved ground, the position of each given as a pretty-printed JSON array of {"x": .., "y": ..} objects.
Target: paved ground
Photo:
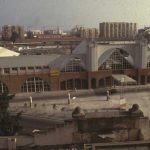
[{"x": 44, "y": 108}]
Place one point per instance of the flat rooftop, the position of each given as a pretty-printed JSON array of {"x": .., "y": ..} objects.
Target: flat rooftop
[{"x": 44, "y": 108}]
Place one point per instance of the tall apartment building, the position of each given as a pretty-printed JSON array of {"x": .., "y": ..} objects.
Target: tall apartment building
[
  {"x": 83, "y": 32},
  {"x": 53, "y": 31},
  {"x": 7, "y": 31},
  {"x": 89, "y": 33},
  {"x": 117, "y": 30}
]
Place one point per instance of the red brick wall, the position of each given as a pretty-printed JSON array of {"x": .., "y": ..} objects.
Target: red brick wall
[{"x": 14, "y": 82}]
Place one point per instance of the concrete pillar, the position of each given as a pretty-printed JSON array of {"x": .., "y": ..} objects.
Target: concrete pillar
[
  {"x": 66, "y": 85},
  {"x": 89, "y": 83},
  {"x": 144, "y": 47},
  {"x": 141, "y": 55},
  {"x": 145, "y": 80},
  {"x": 81, "y": 85},
  {"x": 97, "y": 83},
  {"x": 2, "y": 71},
  {"x": 139, "y": 80},
  {"x": 92, "y": 57},
  {"x": 74, "y": 83}
]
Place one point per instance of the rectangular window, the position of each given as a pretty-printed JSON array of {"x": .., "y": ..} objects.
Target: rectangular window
[
  {"x": 6, "y": 70},
  {"x": 38, "y": 67},
  {"x": 46, "y": 67},
  {"x": 22, "y": 68},
  {"x": 14, "y": 69},
  {"x": 30, "y": 68},
  {"x": 70, "y": 84}
]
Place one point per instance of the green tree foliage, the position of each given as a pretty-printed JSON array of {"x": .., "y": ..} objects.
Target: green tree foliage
[{"x": 9, "y": 124}]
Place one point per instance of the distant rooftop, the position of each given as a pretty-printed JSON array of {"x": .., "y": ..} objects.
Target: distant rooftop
[{"x": 7, "y": 53}]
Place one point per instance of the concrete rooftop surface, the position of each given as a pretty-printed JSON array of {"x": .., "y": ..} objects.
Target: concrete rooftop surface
[{"x": 43, "y": 109}]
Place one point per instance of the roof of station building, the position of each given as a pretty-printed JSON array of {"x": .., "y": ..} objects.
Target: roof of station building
[
  {"x": 81, "y": 48},
  {"x": 28, "y": 60},
  {"x": 52, "y": 60},
  {"x": 57, "y": 61}
]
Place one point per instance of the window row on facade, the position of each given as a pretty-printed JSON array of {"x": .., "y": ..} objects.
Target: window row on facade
[
  {"x": 37, "y": 84},
  {"x": 73, "y": 84},
  {"x": 23, "y": 69},
  {"x": 73, "y": 66}
]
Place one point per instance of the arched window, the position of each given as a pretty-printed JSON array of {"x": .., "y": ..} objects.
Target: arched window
[
  {"x": 3, "y": 88},
  {"x": 35, "y": 84},
  {"x": 73, "y": 66},
  {"x": 117, "y": 61}
]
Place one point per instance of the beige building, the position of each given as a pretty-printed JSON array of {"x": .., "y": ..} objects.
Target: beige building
[
  {"x": 89, "y": 33},
  {"x": 117, "y": 30},
  {"x": 85, "y": 33},
  {"x": 7, "y": 31}
]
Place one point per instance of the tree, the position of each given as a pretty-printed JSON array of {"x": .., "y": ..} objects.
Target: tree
[
  {"x": 14, "y": 36},
  {"x": 9, "y": 124}
]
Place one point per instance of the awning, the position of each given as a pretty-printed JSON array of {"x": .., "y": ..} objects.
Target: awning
[{"x": 121, "y": 78}]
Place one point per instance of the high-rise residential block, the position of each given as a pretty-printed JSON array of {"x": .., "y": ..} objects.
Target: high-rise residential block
[
  {"x": 85, "y": 33},
  {"x": 117, "y": 31},
  {"x": 7, "y": 31}
]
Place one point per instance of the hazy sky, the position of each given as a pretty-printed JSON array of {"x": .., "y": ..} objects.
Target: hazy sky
[{"x": 68, "y": 13}]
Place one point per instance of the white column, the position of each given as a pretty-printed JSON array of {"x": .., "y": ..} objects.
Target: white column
[{"x": 92, "y": 57}]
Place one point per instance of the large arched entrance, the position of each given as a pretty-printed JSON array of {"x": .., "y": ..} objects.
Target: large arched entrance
[
  {"x": 114, "y": 61},
  {"x": 117, "y": 59}
]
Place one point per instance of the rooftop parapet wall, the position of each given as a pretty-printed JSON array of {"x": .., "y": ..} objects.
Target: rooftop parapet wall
[
  {"x": 113, "y": 129},
  {"x": 107, "y": 123}
]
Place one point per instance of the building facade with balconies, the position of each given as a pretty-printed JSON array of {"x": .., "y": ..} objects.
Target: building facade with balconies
[{"x": 117, "y": 30}]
